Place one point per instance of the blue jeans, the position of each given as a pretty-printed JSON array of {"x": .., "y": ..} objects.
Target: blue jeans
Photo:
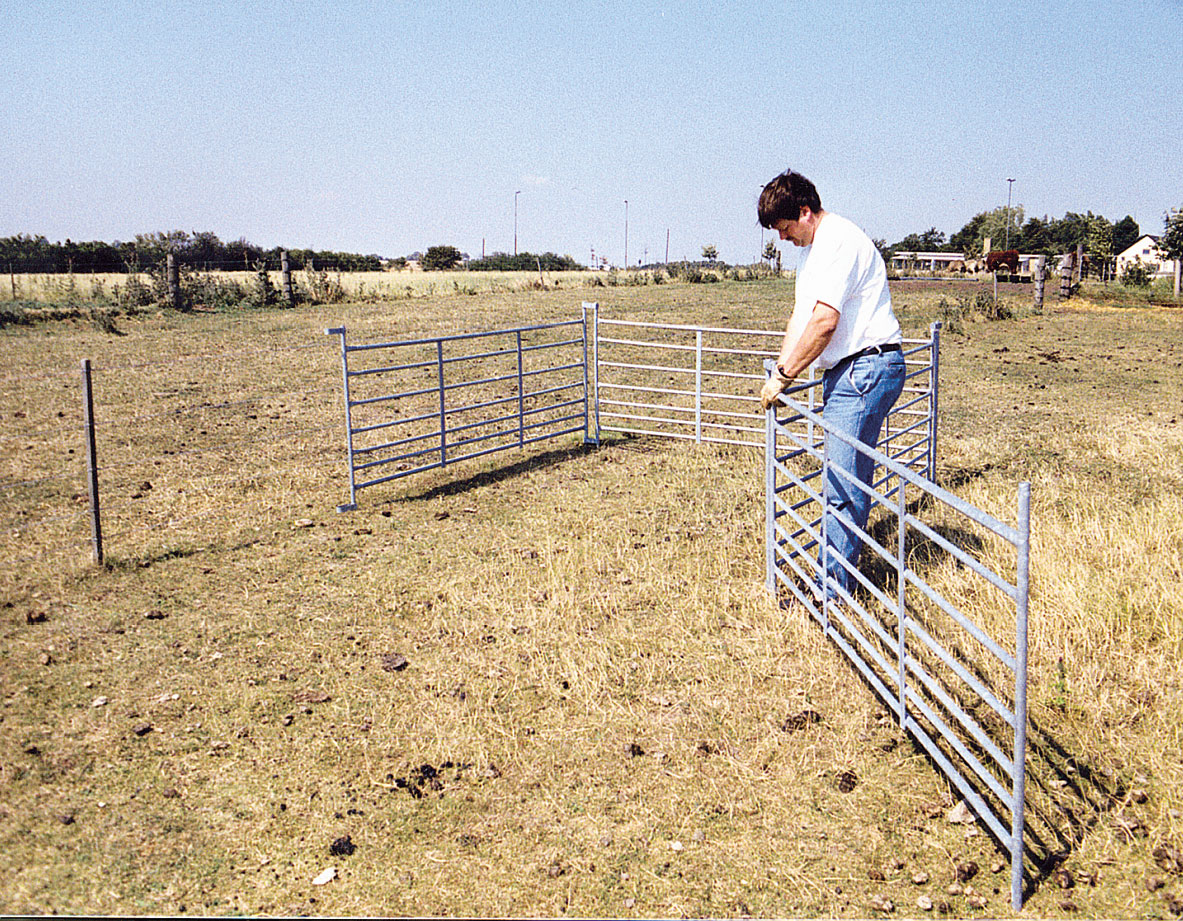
[{"x": 858, "y": 393}]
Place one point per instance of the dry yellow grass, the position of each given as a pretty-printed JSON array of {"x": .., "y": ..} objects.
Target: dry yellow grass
[{"x": 592, "y": 718}]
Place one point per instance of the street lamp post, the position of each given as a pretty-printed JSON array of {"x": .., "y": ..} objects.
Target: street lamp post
[
  {"x": 515, "y": 221},
  {"x": 1009, "y": 185},
  {"x": 626, "y": 233}
]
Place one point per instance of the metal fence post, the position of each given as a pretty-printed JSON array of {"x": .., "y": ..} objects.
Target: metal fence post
[
  {"x": 439, "y": 351},
  {"x": 1020, "y": 750},
  {"x": 769, "y": 494},
  {"x": 521, "y": 396},
  {"x": 934, "y": 391},
  {"x": 352, "y": 505},
  {"x": 901, "y": 623},
  {"x": 586, "y": 395},
  {"x": 698, "y": 386},
  {"x": 92, "y": 467},
  {"x": 823, "y": 554},
  {"x": 596, "y": 362}
]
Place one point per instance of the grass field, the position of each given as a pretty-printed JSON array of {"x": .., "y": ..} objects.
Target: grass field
[{"x": 550, "y": 682}]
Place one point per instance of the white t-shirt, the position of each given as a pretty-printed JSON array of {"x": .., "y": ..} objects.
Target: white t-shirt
[{"x": 842, "y": 268}]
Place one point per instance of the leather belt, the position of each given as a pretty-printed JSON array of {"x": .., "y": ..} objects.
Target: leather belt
[{"x": 874, "y": 350}]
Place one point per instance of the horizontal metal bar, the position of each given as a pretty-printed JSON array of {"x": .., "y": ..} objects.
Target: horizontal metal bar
[
  {"x": 961, "y": 671},
  {"x": 942, "y": 495},
  {"x": 971, "y": 725},
  {"x": 953, "y": 550},
  {"x": 362, "y": 372},
  {"x": 960, "y": 747},
  {"x": 536, "y": 371},
  {"x": 839, "y": 613},
  {"x": 971, "y": 795},
  {"x": 393, "y": 396},
  {"x": 399, "y": 475},
  {"x": 889, "y": 698},
  {"x": 604, "y": 385},
  {"x": 1003, "y": 656},
  {"x": 670, "y": 346},
  {"x": 369, "y": 449},
  {"x": 477, "y": 382},
  {"x": 393, "y": 422},
  {"x": 381, "y": 462},
  {"x": 552, "y": 345},
  {"x": 692, "y": 329},
  {"x": 664, "y": 368},
  {"x": 458, "y": 336}
]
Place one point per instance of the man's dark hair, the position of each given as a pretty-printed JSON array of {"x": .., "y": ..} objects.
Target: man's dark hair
[{"x": 785, "y": 196}]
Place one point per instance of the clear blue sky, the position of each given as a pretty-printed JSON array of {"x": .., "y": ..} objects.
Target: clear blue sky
[{"x": 389, "y": 127}]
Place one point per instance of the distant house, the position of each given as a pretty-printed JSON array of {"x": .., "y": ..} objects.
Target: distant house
[
  {"x": 905, "y": 262},
  {"x": 910, "y": 262},
  {"x": 1145, "y": 250}
]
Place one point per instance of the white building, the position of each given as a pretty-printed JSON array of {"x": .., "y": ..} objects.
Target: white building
[{"x": 1145, "y": 249}]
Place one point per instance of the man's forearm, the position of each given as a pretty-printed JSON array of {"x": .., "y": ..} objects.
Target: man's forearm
[{"x": 796, "y": 356}]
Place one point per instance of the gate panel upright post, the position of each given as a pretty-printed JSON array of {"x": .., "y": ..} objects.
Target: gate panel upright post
[
  {"x": 698, "y": 386},
  {"x": 901, "y": 591},
  {"x": 586, "y": 393},
  {"x": 1020, "y": 752},
  {"x": 352, "y": 505},
  {"x": 521, "y": 396},
  {"x": 439, "y": 352},
  {"x": 770, "y": 499},
  {"x": 934, "y": 385}
]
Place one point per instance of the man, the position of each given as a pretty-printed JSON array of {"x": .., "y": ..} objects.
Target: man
[{"x": 842, "y": 320}]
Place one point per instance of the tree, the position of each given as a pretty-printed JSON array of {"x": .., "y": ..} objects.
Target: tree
[
  {"x": 1099, "y": 245},
  {"x": 1171, "y": 243},
  {"x": 440, "y": 257},
  {"x": 1125, "y": 234},
  {"x": 709, "y": 253},
  {"x": 770, "y": 251}
]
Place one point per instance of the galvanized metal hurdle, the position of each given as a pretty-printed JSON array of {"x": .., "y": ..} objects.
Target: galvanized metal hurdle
[
  {"x": 907, "y": 639},
  {"x": 442, "y": 419},
  {"x": 698, "y": 383}
]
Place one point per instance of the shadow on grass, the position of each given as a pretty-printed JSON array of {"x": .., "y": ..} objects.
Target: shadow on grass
[
  {"x": 489, "y": 477},
  {"x": 1067, "y": 794}
]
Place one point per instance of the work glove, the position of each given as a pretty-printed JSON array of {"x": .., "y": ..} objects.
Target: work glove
[{"x": 772, "y": 389}]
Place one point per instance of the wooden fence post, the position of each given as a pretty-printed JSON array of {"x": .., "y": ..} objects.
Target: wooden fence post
[
  {"x": 92, "y": 467},
  {"x": 1040, "y": 279},
  {"x": 1066, "y": 276},
  {"x": 285, "y": 270}
]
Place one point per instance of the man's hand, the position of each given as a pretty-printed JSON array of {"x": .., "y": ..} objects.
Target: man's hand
[{"x": 773, "y": 388}]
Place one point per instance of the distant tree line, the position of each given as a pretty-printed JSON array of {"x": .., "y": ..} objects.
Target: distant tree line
[
  {"x": 1039, "y": 236},
  {"x": 524, "y": 262},
  {"x": 24, "y": 253}
]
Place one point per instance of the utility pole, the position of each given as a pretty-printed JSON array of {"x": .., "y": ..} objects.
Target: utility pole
[
  {"x": 1009, "y": 185},
  {"x": 626, "y": 233},
  {"x": 667, "y": 246},
  {"x": 515, "y": 221}
]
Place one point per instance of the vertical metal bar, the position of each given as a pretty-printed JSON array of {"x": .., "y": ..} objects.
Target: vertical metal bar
[
  {"x": 901, "y": 609},
  {"x": 1020, "y": 752},
  {"x": 769, "y": 492},
  {"x": 698, "y": 386},
  {"x": 586, "y": 415},
  {"x": 823, "y": 553},
  {"x": 521, "y": 396},
  {"x": 596, "y": 363},
  {"x": 340, "y": 331},
  {"x": 92, "y": 467},
  {"x": 934, "y": 392},
  {"x": 439, "y": 351}
]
